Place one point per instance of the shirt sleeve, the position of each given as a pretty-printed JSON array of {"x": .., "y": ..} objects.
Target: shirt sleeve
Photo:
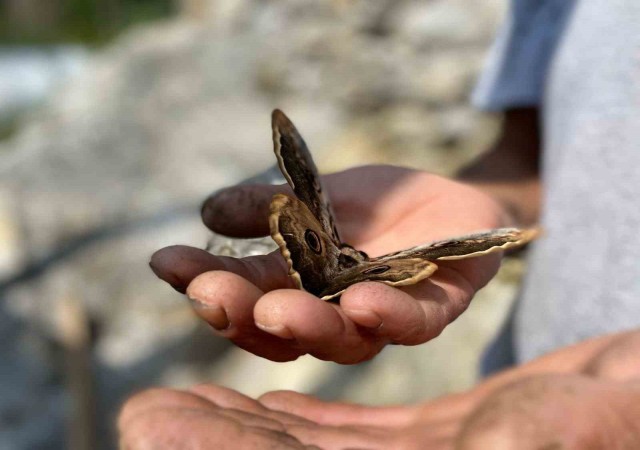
[{"x": 516, "y": 69}]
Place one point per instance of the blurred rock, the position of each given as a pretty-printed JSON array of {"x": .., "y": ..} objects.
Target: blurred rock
[
  {"x": 446, "y": 22},
  {"x": 28, "y": 74},
  {"x": 446, "y": 78},
  {"x": 11, "y": 252}
]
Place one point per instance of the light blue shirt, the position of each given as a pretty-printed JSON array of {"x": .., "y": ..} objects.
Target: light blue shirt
[{"x": 516, "y": 70}]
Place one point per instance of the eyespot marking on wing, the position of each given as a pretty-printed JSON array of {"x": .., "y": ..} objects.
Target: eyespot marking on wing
[
  {"x": 313, "y": 241},
  {"x": 376, "y": 270}
]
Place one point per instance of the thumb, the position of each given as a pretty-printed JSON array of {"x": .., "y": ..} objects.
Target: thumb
[
  {"x": 241, "y": 211},
  {"x": 178, "y": 265}
]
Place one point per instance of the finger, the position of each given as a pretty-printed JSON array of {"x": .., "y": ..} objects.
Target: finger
[
  {"x": 344, "y": 437},
  {"x": 226, "y": 301},
  {"x": 389, "y": 312},
  {"x": 449, "y": 408},
  {"x": 157, "y": 398},
  {"x": 228, "y": 398},
  {"x": 415, "y": 314},
  {"x": 170, "y": 429},
  {"x": 336, "y": 425},
  {"x": 178, "y": 265},
  {"x": 241, "y": 211},
  {"x": 319, "y": 328},
  {"x": 158, "y": 419},
  {"x": 336, "y": 413},
  {"x": 477, "y": 271}
]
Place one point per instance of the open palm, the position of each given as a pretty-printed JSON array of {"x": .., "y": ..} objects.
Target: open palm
[{"x": 379, "y": 209}]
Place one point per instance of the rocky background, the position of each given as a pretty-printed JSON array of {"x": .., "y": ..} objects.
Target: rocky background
[{"x": 116, "y": 163}]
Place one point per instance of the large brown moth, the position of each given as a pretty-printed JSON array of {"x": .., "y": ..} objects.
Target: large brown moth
[{"x": 320, "y": 263}]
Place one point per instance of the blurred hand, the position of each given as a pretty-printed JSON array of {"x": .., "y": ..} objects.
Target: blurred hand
[
  {"x": 585, "y": 396},
  {"x": 379, "y": 209}
]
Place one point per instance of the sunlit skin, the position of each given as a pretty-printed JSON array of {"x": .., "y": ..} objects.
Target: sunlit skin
[
  {"x": 379, "y": 209},
  {"x": 581, "y": 397}
]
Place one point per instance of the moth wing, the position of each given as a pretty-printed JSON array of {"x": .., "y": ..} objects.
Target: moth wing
[
  {"x": 390, "y": 270},
  {"x": 415, "y": 264},
  {"x": 311, "y": 254},
  {"x": 298, "y": 168},
  {"x": 472, "y": 245}
]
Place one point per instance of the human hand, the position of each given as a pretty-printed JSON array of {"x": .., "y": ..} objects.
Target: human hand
[
  {"x": 585, "y": 396},
  {"x": 379, "y": 209}
]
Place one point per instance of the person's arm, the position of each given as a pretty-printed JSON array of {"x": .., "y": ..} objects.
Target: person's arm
[
  {"x": 586, "y": 396},
  {"x": 513, "y": 83},
  {"x": 510, "y": 170}
]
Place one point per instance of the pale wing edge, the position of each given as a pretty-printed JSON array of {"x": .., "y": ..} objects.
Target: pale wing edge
[
  {"x": 527, "y": 236},
  {"x": 275, "y": 206},
  {"x": 278, "y": 151}
]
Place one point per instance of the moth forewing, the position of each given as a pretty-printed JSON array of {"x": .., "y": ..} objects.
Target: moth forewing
[{"x": 299, "y": 169}]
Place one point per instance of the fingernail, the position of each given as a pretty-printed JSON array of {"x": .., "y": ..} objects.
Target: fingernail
[
  {"x": 216, "y": 316},
  {"x": 278, "y": 330},
  {"x": 364, "y": 317}
]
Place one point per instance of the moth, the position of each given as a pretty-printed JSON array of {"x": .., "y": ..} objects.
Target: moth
[{"x": 320, "y": 263}]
